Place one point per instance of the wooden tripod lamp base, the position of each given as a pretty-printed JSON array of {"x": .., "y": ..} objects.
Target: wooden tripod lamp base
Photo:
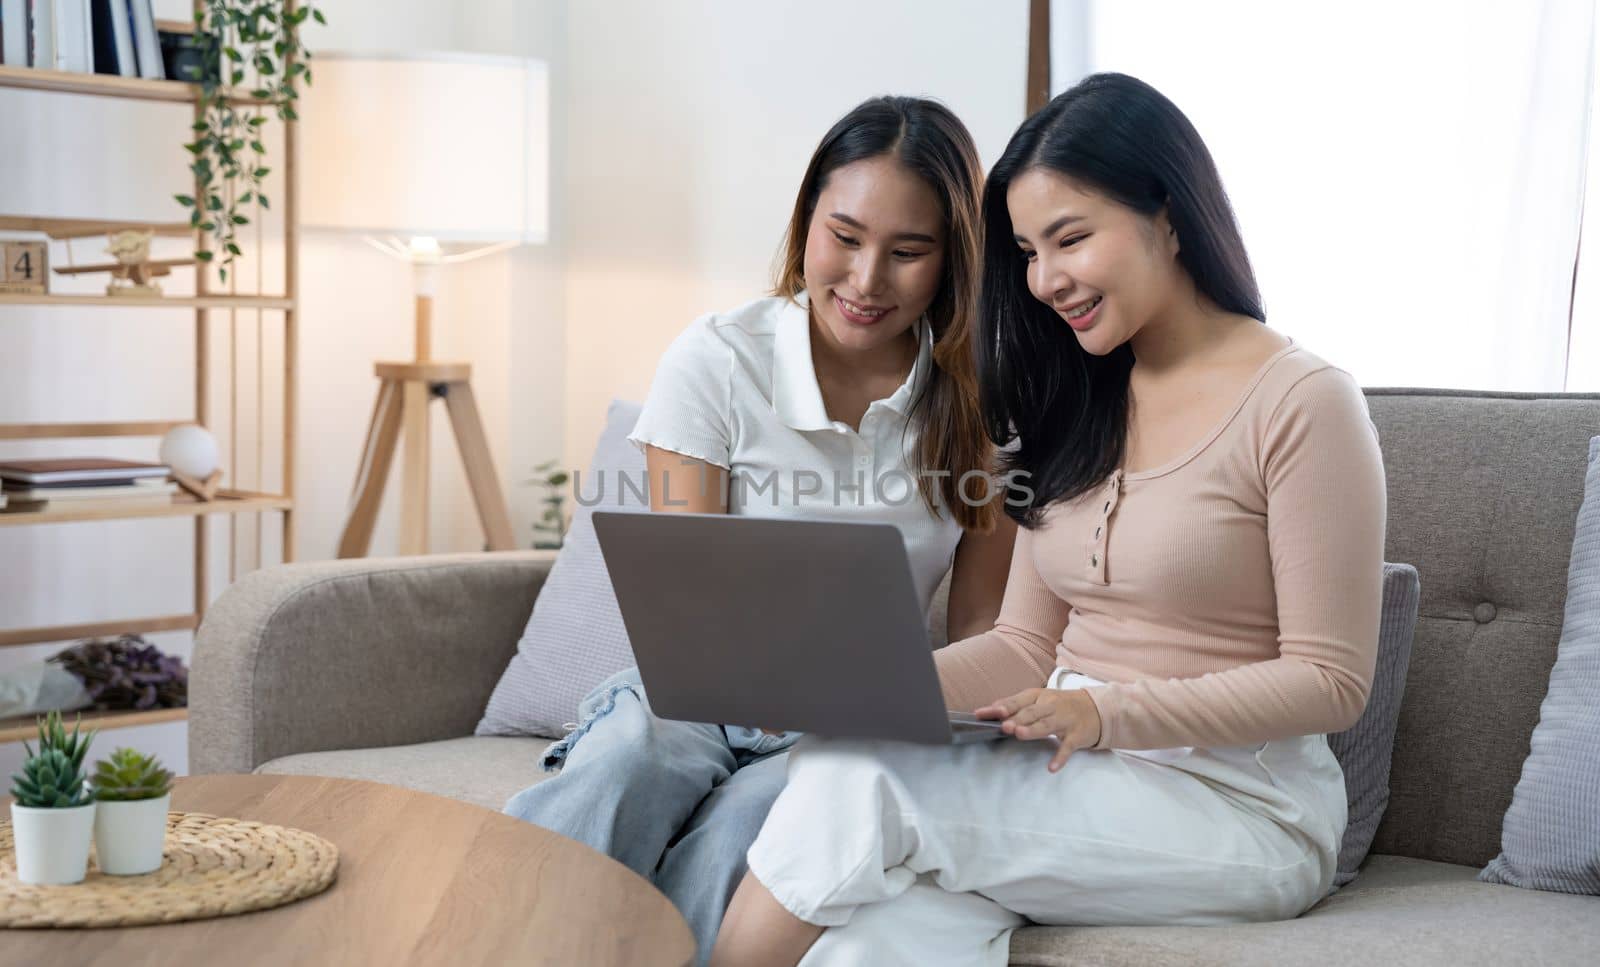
[{"x": 404, "y": 391}]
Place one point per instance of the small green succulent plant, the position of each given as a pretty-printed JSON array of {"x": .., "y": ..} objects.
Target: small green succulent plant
[
  {"x": 52, "y": 778},
  {"x": 130, "y": 775},
  {"x": 53, "y": 735},
  {"x": 48, "y": 780}
]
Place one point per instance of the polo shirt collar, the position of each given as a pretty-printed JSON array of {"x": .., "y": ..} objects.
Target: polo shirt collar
[{"x": 796, "y": 397}]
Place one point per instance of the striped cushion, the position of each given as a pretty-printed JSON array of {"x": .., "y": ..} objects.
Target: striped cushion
[
  {"x": 1365, "y": 749},
  {"x": 1550, "y": 839},
  {"x": 574, "y": 639}
]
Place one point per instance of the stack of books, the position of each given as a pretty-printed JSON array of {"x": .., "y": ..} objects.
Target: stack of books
[
  {"x": 82, "y": 36},
  {"x": 34, "y": 484}
]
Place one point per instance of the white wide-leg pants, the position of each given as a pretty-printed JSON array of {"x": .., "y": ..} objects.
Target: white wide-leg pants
[{"x": 932, "y": 854}]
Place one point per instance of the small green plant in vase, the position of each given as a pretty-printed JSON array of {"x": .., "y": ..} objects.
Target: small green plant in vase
[
  {"x": 49, "y": 780},
  {"x": 53, "y": 735},
  {"x": 550, "y": 528},
  {"x": 52, "y": 819},
  {"x": 134, "y": 794}
]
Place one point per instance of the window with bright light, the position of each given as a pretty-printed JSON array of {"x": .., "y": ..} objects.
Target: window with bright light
[{"x": 1409, "y": 177}]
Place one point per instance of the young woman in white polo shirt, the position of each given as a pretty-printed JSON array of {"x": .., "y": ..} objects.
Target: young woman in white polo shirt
[{"x": 848, "y": 393}]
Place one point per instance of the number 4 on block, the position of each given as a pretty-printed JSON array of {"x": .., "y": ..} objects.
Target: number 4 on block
[{"x": 23, "y": 267}]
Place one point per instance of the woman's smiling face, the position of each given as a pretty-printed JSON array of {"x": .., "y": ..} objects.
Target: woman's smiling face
[
  {"x": 1104, "y": 268},
  {"x": 874, "y": 255}
]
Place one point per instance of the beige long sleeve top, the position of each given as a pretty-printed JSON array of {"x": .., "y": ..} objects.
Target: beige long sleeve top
[{"x": 1229, "y": 597}]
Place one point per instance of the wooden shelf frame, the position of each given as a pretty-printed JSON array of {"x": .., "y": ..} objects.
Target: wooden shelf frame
[
  {"x": 69, "y": 228},
  {"x": 98, "y": 629},
  {"x": 60, "y": 229},
  {"x": 65, "y": 431},
  {"x": 179, "y": 505},
  {"x": 204, "y": 303},
  {"x": 107, "y": 85},
  {"x": 149, "y": 302},
  {"x": 26, "y": 728}
]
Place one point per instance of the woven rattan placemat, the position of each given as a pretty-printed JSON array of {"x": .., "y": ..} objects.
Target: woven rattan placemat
[{"x": 211, "y": 867}]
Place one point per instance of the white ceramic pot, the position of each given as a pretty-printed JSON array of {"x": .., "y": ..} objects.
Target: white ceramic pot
[
  {"x": 129, "y": 835},
  {"x": 52, "y": 844}
]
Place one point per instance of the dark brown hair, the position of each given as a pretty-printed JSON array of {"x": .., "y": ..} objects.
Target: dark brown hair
[{"x": 932, "y": 143}]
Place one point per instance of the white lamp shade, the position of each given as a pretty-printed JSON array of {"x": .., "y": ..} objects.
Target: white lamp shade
[{"x": 454, "y": 146}]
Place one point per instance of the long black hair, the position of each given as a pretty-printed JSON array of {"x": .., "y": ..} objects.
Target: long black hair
[{"x": 1067, "y": 409}]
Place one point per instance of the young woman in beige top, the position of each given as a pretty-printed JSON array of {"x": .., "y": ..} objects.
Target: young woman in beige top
[{"x": 1192, "y": 603}]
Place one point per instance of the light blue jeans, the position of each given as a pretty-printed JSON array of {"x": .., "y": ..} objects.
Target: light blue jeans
[{"x": 678, "y": 803}]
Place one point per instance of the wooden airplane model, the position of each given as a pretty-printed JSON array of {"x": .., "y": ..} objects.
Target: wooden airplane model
[{"x": 134, "y": 271}]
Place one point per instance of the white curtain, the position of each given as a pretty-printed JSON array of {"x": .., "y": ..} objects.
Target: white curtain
[
  {"x": 1408, "y": 176},
  {"x": 1583, "y": 356}
]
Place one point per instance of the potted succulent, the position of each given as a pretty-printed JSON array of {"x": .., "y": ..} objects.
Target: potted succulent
[
  {"x": 132, "y": 793},
  {"x": 52, "y": 819}
]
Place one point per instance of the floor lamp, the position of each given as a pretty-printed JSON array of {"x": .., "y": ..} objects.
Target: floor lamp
[{"x": 425, "y": 155}]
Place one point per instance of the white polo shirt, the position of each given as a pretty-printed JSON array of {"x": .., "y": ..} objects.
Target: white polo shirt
[{"x": 737, "y": 390}]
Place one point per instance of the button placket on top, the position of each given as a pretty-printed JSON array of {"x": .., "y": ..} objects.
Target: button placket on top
[
  {"x": 1106, "y": 505},
  {"x": 863, "y": 449},
  {"x": 860, "y": 474}
]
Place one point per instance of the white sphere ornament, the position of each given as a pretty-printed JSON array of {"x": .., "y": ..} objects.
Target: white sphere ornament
[{"x": 190, "y": 450}]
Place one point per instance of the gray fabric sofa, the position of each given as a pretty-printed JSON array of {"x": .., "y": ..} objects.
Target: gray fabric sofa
[{"x": 379, "y": 670}]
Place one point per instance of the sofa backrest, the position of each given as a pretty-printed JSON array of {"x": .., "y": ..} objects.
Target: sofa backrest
[{"x": 1484, "y": 491}]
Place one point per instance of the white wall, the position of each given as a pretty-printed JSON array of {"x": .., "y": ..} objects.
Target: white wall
[
  {"x": 680, "y": 132},
  {"x": 692, "y": 124}
]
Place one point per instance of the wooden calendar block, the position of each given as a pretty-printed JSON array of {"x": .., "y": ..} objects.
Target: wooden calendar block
[{"x": 23, "y": 267}]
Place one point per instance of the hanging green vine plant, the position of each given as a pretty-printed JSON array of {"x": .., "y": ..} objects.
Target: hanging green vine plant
[{"x": 229, "y": 157}]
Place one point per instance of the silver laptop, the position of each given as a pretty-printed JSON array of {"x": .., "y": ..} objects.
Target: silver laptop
[{"x": 802, "y": 625}]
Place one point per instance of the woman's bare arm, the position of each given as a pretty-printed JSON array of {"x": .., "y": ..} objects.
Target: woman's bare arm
[
  {"x": 685, "y": 485},
  {"x": 979, "y": 580}
]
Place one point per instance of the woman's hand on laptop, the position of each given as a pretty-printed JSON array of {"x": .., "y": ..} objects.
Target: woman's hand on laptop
[{"x": 1067, "y": 715}]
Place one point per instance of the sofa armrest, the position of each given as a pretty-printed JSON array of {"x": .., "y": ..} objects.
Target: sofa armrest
[{"x": 354, "y": 654}]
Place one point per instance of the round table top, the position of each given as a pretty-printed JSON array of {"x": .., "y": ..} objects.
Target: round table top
[{"x": 422, "y": 879}]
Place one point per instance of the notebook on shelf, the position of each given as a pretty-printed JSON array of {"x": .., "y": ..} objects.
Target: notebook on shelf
[
  {"x": 147, "y": 488},
  {"x": 61, "y": 470}
]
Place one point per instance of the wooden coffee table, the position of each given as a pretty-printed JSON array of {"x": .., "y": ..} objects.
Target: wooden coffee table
[{"x": 422, "y": 879}]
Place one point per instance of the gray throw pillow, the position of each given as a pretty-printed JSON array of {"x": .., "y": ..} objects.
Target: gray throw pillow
[
  {"x": 1364, "y": 750},
  {"x": 574, "y": 639},
  {"x": 1550, "y": 837}
]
